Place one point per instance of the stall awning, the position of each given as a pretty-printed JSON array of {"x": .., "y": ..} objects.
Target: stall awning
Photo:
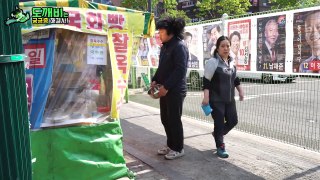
[{"x": 138, "y": 22}]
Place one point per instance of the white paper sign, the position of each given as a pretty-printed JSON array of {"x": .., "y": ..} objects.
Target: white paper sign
[{"x": 97, "y": 50}]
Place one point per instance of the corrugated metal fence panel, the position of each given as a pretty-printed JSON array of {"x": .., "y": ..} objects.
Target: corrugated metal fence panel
[
  {"x": 15, "y": 137},
  {"x": 15, "y": 153}
]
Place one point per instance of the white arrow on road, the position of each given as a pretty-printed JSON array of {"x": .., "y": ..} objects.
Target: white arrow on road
[
  {"x": 269, "y": 94},
  {"x": 247, "y": 97}
]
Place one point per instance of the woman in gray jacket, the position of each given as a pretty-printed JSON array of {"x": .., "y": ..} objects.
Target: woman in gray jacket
[{"x": 219, "y": 83}]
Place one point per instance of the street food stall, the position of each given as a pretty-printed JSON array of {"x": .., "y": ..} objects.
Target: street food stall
[{"x": 79, "y": 56}]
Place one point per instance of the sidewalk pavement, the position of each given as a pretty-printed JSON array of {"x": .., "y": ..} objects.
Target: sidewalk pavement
[{"x": 251, "y": 157}]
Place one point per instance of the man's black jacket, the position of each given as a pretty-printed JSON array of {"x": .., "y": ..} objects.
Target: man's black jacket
[{"x": 172, "y": 69}]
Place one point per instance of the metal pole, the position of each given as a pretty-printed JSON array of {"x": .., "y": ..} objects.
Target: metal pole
[
  {"x": 15, "y": 152},
  {"x": 149, "y": 6},
  {"x": 223, "y": 19}
]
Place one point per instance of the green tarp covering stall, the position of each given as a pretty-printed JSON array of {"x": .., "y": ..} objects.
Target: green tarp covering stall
[{"x": 84, "y": 152}]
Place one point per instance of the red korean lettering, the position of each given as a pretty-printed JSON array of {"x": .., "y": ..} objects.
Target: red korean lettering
[
  {"x": 34, "y": 56},
  {"x": 122, "y": 85},
  {"x": 122, "y": 63},
  {"x": 313, "y": 66},
  {"x": 74, "y": 19},
  {"x": 94, "y": 20},
  {"x": 120, "y": 42},
  {"x": 116, "y": 21}
]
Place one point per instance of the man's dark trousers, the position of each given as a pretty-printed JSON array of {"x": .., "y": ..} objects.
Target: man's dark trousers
[{"x": 170, "y": 112}]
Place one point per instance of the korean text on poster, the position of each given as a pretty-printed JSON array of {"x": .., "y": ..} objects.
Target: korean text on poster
[
  {"x": 143, "y": 52},
  {"x": 135, "y": 48},
  {"x": 97, "y": 50},
  {"x": 240, "y": 36},
  {"x": 306, "y": 49},
  {"x": 192, "y": 39},
  {"x": 155, "y": 44}
]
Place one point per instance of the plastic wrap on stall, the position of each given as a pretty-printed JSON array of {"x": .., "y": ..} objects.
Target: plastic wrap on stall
[
  {"x": 80, "y": 89},
  {"x": 80, "y": 92}
]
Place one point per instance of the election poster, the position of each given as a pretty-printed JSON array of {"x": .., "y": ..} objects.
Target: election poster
[
  {"x": 143, "y": 52},
  {"x": 306, "y": 42},
  {"x": 239, "y": 33},
  {"x": 271, "y": 43},
  {"x": 193, "y": 40},
  {"x": 154, "y": 52},
  {"x": 210, "y": 35}
]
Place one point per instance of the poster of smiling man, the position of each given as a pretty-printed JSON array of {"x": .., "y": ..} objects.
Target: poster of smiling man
[
  {"x": 239, "y": 36},
  {"x": 306, "y": 42},
  {"x": 143, "y": 52},
  {"x": 154, "y": 53},
  {"x": 271, "y": 45}
]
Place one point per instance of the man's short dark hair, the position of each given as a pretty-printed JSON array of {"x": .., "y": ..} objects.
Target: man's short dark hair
[
  {"x": 187, "y": 34},
  {"x": 235, "y": 33},
  {"x": 173, "y": 26},
  {"x": 214, "y": 26}
]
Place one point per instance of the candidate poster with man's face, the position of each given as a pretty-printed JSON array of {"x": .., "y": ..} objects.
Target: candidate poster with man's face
[
  {"x": 306, "y": 42},
  {"x": 271, "y": 37},
  {"x": 193, "y": 40},
  {"x": 143, "y": 52},
  {"x": 240, "y": 36},
  {"x": 154, "y": 44},
  {"x": 210, "y": 35},
  {"x": 135, "y": 48}
]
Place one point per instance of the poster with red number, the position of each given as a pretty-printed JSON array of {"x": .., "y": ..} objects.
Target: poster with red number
[
  {"x": 306, "y": 42},
  {"x": 239, "y": 33}
]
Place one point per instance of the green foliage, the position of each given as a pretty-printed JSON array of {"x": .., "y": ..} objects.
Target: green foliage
[
  {"x": 170, "y": 7},
  {"x": 280, "y": 4},
  {"x": 176, "y": 14},
  {"x": 210, "y": 9},
  {"x": 141, "y": 5},
  {"x": 170, "y": 4}
]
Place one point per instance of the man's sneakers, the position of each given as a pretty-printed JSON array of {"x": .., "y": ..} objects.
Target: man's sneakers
[
  {"x": 163, "y": 151},
  {"x": 221, "y": 152},
  {"x": 174, "y": 154},
  {"x": 170, "y": 154}
]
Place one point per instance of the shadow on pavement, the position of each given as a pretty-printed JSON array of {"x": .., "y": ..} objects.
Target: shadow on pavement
[
  {"x": 199, "y": 163},
  {"x": 303, "y": 174}
]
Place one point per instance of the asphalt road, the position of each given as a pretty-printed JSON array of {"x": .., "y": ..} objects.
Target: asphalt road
[{"x": 288, "y": 112}]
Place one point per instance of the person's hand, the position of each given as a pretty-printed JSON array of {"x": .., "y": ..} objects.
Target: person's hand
[
  {"x": 153, "y": 84},
  {"x": 205, "y": 101},
  {"x": 162, "y": 91},
  {"x": 241, "y": 96}
]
